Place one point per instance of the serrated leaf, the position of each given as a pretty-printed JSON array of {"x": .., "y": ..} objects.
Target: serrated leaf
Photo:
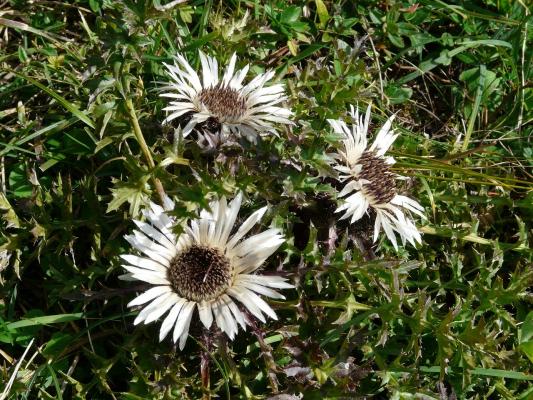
[
  {"x": 351, "y": 306},
  {"x": 10, "y": 216},
  {"x": 136, "y": 194},
  {"x": 171, "y": 159}
]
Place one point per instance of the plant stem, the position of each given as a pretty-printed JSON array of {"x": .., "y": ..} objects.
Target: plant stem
[
  {"x": 475, "y": 107},
  {"x": 204, "y": 365},
  {"x": 144, "y": 148},
  {"x": 266, "y": 352}
]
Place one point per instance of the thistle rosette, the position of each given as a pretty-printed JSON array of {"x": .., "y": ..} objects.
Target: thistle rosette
[
  {"x": 369, "y": 181},
  {"x": 205, "y": 268},
  {"x": 235, "y": 108}
]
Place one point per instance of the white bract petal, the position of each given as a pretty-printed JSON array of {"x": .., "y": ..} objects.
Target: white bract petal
[
  {"x": 170, "y": 320},
  {"x": 183, "y": 320},
  {"x": 150, "y": 294}
]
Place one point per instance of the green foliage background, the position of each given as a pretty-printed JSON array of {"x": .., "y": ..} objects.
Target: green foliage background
[{"x": 449, "y": 319}]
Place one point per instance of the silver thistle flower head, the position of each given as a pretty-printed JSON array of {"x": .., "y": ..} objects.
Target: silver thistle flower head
[
  {"x": 239, "y": 109},
  {"x": 370, "y": 182},
  {"x": 206, "y": 267}
]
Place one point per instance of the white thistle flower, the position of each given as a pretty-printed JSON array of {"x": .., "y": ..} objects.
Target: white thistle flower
[
  {"x": 239, "y": 109},
  {"x": 370, "y": 183},
  {"x": 204, "y": 267}
]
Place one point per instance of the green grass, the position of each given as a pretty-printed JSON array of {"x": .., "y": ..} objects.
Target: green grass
[{"x": 452, "y": 317}]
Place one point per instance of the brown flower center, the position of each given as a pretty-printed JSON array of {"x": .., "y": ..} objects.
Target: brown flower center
[
  {"x": 199, "y": 273},
  {"x": 224, "y": 103},
  {"x": 382, "y": 185}
]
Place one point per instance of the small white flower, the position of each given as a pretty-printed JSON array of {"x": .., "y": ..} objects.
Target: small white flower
[
  {"x": 204, "y": 267},
  {"x": 239, "y": 109},
  {"x": 370, "y": 183}
]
